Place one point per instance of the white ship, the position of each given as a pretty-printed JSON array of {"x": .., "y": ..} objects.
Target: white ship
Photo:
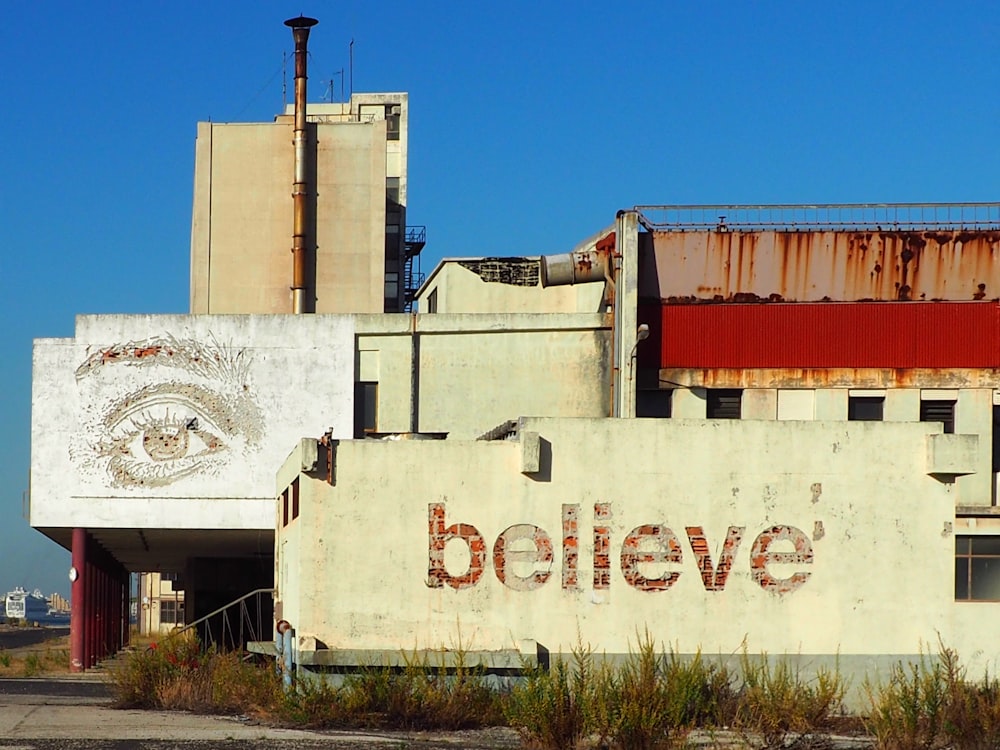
[{"x": 22, "y": 605}]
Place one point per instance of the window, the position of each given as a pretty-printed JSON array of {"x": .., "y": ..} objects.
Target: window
[
  {"x": 391, "y": 286},
  {"x": 171, "y": 612},
  {"x": 169, "y": 576},
  {"x": 724, "y": 403},
  {"x": 432, "y": 301},
  {"x": 865, "y": 408},
  {"x": 392, "y": 190},
  {"x": 977, "y": 568},
  {"x": 284, "y": 507},
  {"x": 392, "y": 122},
  {"x": 939, "y": 411},
  {"x": 996, "y": 439},
  {"x": 654, "y": 403},
  {"x": 365, "y": 408},
  {"x": 295, "y": 498}
]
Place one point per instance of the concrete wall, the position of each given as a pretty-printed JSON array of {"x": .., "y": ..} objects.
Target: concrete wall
[
  {"x": 973, "y": 415},
  {"x": 241, "y": 232},
  {"x": 473, "y": 372},
  {"x": 161, "y": 434},
  {"x": 784, "y": 536},
  {"x": 179, "y": 421},
  {"x": 501, "y": 285}
]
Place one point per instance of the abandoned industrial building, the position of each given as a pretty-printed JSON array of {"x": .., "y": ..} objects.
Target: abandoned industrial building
[{"x": 698, "y": 421}]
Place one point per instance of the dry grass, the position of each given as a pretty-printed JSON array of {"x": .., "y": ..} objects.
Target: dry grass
[{"x": 50, "y": 657}]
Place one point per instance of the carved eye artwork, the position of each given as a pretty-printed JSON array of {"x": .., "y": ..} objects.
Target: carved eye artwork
[
  {"x": 157, "y": 437},
  {"x": 163, "y": 409}
]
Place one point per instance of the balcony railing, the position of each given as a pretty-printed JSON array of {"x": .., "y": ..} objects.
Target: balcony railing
[{"x": 833, "y": 217}]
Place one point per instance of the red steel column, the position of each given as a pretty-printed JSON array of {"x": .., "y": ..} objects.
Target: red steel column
[
  {"x": 78, "y": 606},
  {"x": 91, "y": 587},
  {"x": 102, "y": 613}
]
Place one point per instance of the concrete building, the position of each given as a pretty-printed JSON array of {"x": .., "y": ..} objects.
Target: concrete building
[
  {"x": 702, "y": 420},
  {"x": 836, "y": 426},
  {"x": 361, "y": 253},
  {"x": 161, "y": 603}
]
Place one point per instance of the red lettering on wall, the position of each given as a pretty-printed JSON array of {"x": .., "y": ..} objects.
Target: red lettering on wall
[
  {"x": 602, "y": 546},
  {"x": 503, "y": 556},
  {"x": 437, "y": 539},
  {"x": 667, "y": 550},
  {"x": 761, "y": 557},
  {"x": 570, "y": 547},
  {"x": 714, "y": 578}
]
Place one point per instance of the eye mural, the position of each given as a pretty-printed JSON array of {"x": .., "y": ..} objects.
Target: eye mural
[{"x": 166, "y": 409}]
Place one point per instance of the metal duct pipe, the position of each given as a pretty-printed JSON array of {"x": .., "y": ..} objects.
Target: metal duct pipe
[
  {"x": 574, "y": 268},
  {"x": 303, "y": 297}
]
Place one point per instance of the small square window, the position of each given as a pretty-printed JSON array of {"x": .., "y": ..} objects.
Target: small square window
[
  {"x": 939, "y": 411},
  {"x": 977, "y": 568},
  {"x": 365, "y": 408},
  {"x": 654, "y": 403},
  {"x": 865, "y": 408},
  {"x": 724, "y": 403}
]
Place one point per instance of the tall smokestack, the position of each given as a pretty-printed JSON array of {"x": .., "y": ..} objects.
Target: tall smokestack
[{"x": 303, "y": 296}]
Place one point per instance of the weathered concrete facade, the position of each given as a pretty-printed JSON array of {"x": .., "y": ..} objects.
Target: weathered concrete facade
[
  {"x": 162, "y": 434},
  {"x": 241, "y": 229},
  {"x": 785, "y": 537}
]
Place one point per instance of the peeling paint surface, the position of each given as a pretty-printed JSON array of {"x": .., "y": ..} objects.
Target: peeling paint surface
[
  {"x": 661, "y": 534},
  {"x": 814, "y": 266}
]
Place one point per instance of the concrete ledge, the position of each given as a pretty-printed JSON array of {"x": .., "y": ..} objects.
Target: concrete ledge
[{"x": 951, "y": 455}]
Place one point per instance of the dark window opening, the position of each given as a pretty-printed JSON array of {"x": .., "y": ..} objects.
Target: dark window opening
[
  {"x": 996, "y": 439},
  {"x": 939, "y": 411},
  {"x": 724, "y": 403},
  {"x": 295, "y": 498},
  {"x": 365, "y": 408},
  {"x": 284, "y": 507},
  {"x": 432, "y": 302},
  {"x": 392, "y": 190},
  {"x": 977, "y": 568},
  {"x": 392, "y": 122},
  {"x": 865, "y": 408},
  {"x": 654, "y": 403}
]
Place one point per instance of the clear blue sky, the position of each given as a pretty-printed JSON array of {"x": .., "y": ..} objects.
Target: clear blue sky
[{"x": 531, "y": 124}]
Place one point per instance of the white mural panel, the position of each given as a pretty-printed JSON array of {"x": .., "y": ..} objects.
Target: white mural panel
[{"x": 138, "y": 411}]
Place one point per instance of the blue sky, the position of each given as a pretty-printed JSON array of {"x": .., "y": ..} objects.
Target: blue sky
[{"x": 531, "y": 124}]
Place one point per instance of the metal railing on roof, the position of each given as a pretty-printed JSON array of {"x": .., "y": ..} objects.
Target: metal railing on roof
[{"x": 832, "y": 217}]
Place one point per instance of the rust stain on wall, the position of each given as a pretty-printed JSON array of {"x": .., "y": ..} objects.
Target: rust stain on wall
[{"x": 816, "y": 266}]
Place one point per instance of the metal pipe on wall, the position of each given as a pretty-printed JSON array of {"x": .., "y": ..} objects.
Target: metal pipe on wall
[{"x": 303, "y": 295}]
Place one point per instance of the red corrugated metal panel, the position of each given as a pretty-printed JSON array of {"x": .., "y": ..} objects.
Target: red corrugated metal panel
[{"x": 879, "y": 335}]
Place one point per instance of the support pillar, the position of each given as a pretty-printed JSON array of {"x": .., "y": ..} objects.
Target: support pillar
[{"x": 78, "y": 606}]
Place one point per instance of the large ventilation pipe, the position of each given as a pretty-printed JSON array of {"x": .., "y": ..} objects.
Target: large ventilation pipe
[
  {"x": 574, "y": 268},
  {"x": 303, "y": 295}
]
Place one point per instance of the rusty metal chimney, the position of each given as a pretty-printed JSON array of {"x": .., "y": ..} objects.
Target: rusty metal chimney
[{"x": 303, "y": 293}]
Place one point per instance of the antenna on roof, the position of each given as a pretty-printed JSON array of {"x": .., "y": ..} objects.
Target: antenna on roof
[{"x": 284, "y": 79}]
